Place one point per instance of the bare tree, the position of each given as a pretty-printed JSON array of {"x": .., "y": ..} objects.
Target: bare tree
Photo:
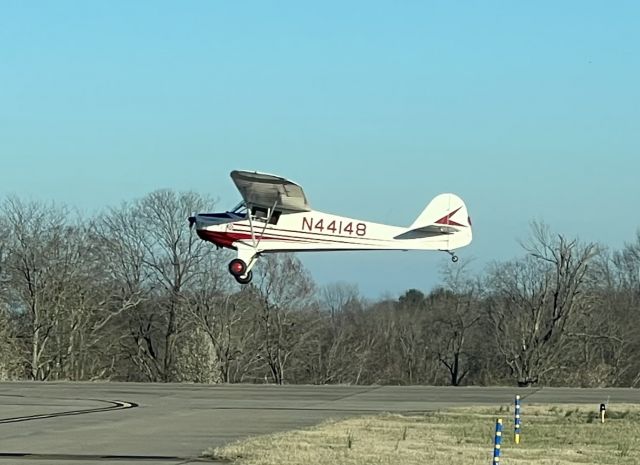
[
  {"x": 406, "y": 337},
  {"x": 228, "y": 319},
  {"x": 534, "y": 299},
  {"x": 42, "y": 261},
  {"x": 607, "y": 335},
  {"x": 155, "y": 256},
  {"x": 627, "y": 264},
  {"x": 10, "y": 356},
  {"x": 285, "y": 289},
  {"x": 335, "y": 297},
  {"x": 457, "y": 309},
  {"x": 370, "y": 340},
  {"x": 333, "y": 358},
  {"x": 627, "y": 306},
  {"x": 173, "y": 253}
]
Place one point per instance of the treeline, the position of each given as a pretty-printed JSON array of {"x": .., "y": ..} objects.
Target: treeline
[{"x": 132, "y": 294}]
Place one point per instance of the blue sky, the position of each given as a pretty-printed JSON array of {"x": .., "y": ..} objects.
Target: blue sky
[{"x": 528, "y": 110}]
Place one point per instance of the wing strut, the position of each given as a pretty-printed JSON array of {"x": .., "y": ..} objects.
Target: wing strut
[{"x": 264, "y": 228}]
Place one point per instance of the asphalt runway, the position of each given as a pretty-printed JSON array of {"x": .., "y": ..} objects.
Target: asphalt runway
[{"x": 127, "y": 423}]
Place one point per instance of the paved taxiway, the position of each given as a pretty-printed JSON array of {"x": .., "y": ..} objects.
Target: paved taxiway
[{"x": 126, "y": 423}]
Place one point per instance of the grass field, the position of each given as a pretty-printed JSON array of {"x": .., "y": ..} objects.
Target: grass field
[{"x": 551, "y": 435}]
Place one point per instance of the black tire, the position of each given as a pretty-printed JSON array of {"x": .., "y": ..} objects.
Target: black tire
[
  {"x": 246, "y": 279},
  {"x": 454, "y": 258},
  {"x": 237, "y": 267}
]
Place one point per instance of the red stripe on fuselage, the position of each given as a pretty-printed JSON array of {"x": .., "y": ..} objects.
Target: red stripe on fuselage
[
  {"x": 226, "y": 239},
  {"x": 218, "y": 238}
]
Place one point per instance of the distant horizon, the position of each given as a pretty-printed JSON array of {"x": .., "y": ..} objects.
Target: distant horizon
[{"x": 359, "y": 259}]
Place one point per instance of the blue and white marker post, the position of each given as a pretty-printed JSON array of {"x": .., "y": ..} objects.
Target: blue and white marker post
[
  {"x": 497, "y": 442},
  {"x": 516, "y": 436}
]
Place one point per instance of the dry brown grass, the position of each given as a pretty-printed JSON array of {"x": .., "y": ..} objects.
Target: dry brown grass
[{"x": 551, "y": 435}]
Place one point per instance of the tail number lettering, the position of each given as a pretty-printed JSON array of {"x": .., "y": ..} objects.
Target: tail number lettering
[{"x": 334, "y": 227}]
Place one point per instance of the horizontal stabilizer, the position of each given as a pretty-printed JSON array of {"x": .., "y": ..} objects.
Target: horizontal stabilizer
[{"x": 427, "y": 231}]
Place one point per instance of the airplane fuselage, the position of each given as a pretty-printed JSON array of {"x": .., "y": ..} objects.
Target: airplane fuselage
[{"x": 309, "y": 231}]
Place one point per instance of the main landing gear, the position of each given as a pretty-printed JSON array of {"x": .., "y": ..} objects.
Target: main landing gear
[
  {"x": 239, "y": 269},
  {"x": 454, "y": 257}
]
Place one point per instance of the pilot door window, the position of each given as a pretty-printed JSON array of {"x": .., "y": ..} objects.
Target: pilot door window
[{"x": 261, "y": 214}]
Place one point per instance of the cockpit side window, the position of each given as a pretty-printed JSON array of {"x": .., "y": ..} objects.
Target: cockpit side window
[
  {"x": 261, "y": 214},
  {"x": 275, "y": 216}
]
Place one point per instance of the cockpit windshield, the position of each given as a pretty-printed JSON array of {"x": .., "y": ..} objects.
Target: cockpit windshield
[{"x": 240, "y": 209}]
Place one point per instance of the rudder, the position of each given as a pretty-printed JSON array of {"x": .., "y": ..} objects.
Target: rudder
[{"x": 446, "y": 214}]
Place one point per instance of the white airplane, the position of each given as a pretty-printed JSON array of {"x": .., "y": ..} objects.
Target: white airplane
[{"x": 274, "y": 216}]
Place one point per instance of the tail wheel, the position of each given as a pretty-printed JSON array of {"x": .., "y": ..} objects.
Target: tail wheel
[
  {"x": 245, "y": 279},
  {"x": 454, "y": 258},
  {"x": 237, "y": 267}
]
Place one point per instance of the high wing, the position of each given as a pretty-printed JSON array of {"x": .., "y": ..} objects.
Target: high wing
[{"x": 269, "y": 191}]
